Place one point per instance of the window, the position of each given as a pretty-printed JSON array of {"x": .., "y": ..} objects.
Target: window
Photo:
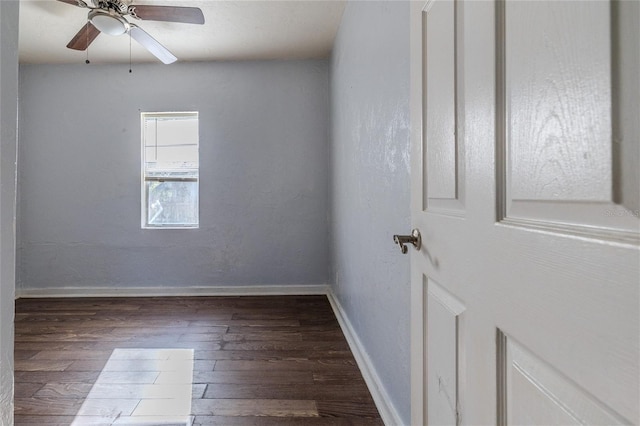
[{"x": 170, "y": 170}]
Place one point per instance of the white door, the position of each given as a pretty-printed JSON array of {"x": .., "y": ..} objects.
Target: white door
[{"x": 525, "y": 187}]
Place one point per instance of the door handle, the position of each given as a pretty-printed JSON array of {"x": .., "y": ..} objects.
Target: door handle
[{"x": 415, "y": 239}]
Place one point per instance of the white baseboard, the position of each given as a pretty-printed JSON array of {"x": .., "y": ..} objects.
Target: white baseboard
[
  {"x": 245, "y": 290},
  {"x": 380, "y": 396}
]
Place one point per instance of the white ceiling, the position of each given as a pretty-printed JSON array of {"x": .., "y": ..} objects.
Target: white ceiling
[{"x": 233, "y": 30}]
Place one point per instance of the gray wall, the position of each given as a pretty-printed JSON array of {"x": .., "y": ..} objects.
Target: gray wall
[
  {"x": 263, "y": 175},
  {"x": 8, "y": 126},
  {"x": 369, "y": 188}
]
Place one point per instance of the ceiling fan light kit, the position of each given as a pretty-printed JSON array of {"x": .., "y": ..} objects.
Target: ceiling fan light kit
[
  {"x": 108, "y": 23},
  {"x": 109, "y": 17}
]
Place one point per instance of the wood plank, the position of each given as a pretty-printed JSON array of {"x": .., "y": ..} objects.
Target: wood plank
[
  {"x": 72, "y": 355},
  {"x": 239, "y": 329},
  {"x": 51, "y": 420},
  {"x": 64, "y": 390},
  {"x": 24, "y": 354},
  {"x": 250, "y": 377},
  {"x": 45, "y": 345},
  {"x": 57, "y": 376},
  {"x": 284, "y": 421},
  {"x": 200, "y": 337},
  {"x": 327, "y": 365},
  {"x": 204, "y": 365},
  {"x": 89, "y": 365},
  {"x": 47, "y": 406},
  {"x": 286, "y": 346},
  {"x": 358, "y": 392},
  {"x": 26, "y": 390},
  {"x": 293, "y": 335},
  {"x": 271, "y": 355},
  {"x": 41, "y": 365},
  {"x": 255, "y": 407},
  {"x": 164, "y": 343},
  {"x": 346, "y": 409},
  {"x": 344, "y": 377}
]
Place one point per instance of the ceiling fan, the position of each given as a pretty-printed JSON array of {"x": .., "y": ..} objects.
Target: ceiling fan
[{"x": 109, "y": 16}]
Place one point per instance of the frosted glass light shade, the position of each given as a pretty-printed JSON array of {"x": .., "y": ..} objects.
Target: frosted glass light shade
[{"x": 109, "y": 24}]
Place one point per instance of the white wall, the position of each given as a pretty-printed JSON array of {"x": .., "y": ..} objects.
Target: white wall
[
  {"x": 369, "y": 160},
  {"x": 8, "y": 126},
  {"x": 263, "y": 175}
]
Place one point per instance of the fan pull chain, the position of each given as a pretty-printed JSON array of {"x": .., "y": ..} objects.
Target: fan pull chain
[
  {"x": 129, "y": 53},
  {"x": 87, "y": 34}
]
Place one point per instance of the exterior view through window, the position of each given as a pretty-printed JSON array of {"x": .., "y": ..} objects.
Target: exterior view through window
[{"x": 170, "y": 170}]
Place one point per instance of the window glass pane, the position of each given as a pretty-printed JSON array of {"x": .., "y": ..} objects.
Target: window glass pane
[
  {"x": 172, "y": 203},
  {"x": 171, "y": 142}
]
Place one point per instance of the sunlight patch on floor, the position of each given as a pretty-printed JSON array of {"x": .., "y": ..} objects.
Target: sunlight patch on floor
[{"x": 142, "y": 387}]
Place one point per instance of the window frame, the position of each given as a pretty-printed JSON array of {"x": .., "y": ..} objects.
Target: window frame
[{"x": 144, "y": 208}]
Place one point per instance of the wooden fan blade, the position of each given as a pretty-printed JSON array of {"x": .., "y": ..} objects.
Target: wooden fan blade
[
  {"x": 152, "y": 45},
  {"x": 74, "y": 2},
  {"x": 187, "y": 15},
  {"x": 84, "y": 38}
]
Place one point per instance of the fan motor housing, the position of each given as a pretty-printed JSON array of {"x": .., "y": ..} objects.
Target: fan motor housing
[{"x": 119, "y": 6}]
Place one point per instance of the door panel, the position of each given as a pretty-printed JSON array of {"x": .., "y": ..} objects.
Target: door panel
[
  {"x": 558, "y": 127},
  {"x": 558, "y": 101},
  {"x": 441, "y": 101},
  {"x": 529, "y": 312},
  {"x": 536, "y": 394},
  {"x": 444, "y": 152},
  {"x": 444, "y": 320}
]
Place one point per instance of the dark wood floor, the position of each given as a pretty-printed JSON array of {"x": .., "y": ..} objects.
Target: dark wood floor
[{"x": 174, "y": 361}]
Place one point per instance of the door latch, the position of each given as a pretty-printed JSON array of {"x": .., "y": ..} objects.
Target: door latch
[{"x": 415, "y": 239}]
